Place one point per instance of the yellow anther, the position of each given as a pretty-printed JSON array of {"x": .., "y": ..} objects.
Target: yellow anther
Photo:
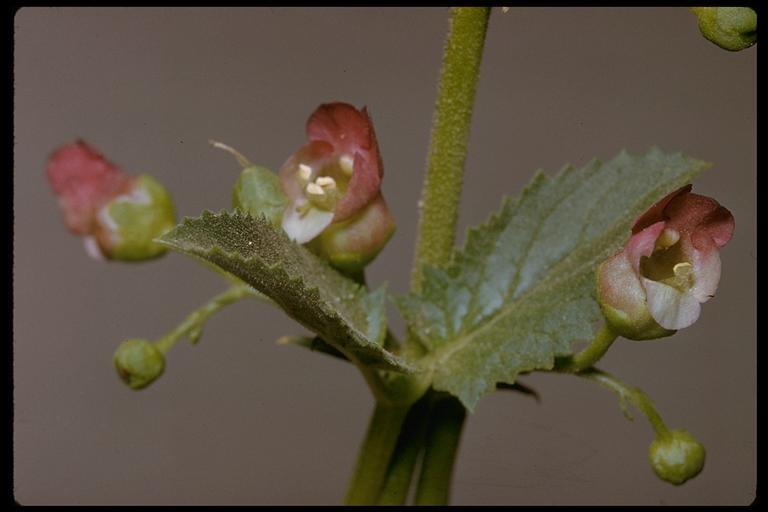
[
  {"x": 668, "y": 238},
  {"x": 315, "y": 189},
  {"x": 305, "y": 172},
  {"x": 326, "y": 182},
  {"x": 682, "y": 269}
]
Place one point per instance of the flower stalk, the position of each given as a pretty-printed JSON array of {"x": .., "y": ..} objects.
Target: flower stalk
[
  {"x": 192, "y": 325},
  {"x": 435, "y": 240},
  {"x": 590, "y": 355},
  {"x": 450, "y": 133}
]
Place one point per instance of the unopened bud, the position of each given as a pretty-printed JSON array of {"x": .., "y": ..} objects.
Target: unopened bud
[
  {"x": 676, "y": 456},
  {"x": 351, "y": 245},
  {"x": 129, "y": 223},
  {"x": 731, "y": 28},
  {"x": 258, "y": 191},
  {"x": 138, "y": 362}
]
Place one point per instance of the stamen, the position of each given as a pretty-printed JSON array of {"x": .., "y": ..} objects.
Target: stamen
[
  {"x": 315, "y": 189},
  {"x": 326, "y": 182},
  {"x": 668, "y": 238},
  {"x": 305, "y": 172},
  {"x": 347, "y": 164},
  {"x": 682, "y": 270}
]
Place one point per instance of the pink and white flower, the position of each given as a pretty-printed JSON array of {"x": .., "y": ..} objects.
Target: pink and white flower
[
  {"x": 117, "y": 215},
  {"x": 333, "y": 188},
  {"x": 668, "y": 268},
  {"x": 84, "y": 181}
]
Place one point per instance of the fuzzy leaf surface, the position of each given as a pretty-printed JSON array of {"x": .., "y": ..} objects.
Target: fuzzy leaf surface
[
  {"x": 521, "y": 290},
  {"x": 339, "y": 310}
]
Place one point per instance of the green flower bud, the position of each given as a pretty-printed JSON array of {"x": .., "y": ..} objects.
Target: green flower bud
[
  {"x": 258, "y": 191},
  {"x": 350, "y": 245},
  {"x": 129, "y": 223},
  {"x": 138, "y": 362},
  {"x": 676, "y": 457},
  {"x": 731, "y": 28}
]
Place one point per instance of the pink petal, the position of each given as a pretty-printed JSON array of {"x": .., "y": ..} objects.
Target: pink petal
[
  {"x": 350, "y": 132},
  {"x": 342, "y": 126},
  {"x": 84, "y": 181},
  {"x": 642, "y": 244},
  {"x": 656, "y": 212},
  {"x": 691, "y": 212},
  {"x": 619, "y": 285},
  {"x": 671, "y": 308},
  {"x": 363, "y": 188},
  {"x": 719, "y": 224}
]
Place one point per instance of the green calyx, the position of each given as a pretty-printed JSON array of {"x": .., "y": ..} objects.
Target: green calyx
[
  {"x": 351, "y": 245},
  {"x": 130, "y": 223},
  {"x": 638, "y": 327},
  {"x": 676, "y": 456},
  {"x": 731, "y": 28},
  {"x": 258, "y": 191},
  {"x": 625, "y": 312},
  {"x": 138, "y": 363}
]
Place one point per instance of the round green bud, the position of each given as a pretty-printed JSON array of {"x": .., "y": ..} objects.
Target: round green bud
[
  {"x": 258, "y": 191},
  {"x": 130, "y": 222},
  {"x": 731, "y": 28},
  {"x": 351, "y": 245},
  {"x": 676, "y": 457},
  {"x": 138, "y": 362}
]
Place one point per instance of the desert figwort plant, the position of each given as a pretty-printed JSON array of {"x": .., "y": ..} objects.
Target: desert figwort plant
[{"x": 609, "y": 249}]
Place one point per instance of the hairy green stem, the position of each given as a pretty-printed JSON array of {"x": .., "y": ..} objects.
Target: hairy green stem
[
  {"x": 450, "y": 133},
  {"x": 442, "y": 442},
  {"x": 409, "y": 447},
  {"x": 436, "y": 236},
  {"x": 373, "y": 460},
  {"x": 195, "y": 319},
  {"x": 629, "y": 394},
  {"x": 590, "y": 355}
]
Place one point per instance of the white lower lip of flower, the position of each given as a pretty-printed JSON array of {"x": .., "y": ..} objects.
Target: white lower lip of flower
[
  {"x": 706, "y": 271},
  {"x": 303, "y": 227},
  {"x": 671, "y": 308},
  {"x": 92, "y": 248}
]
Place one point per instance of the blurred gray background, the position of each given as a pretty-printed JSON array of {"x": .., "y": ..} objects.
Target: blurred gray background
[{"x": 238, "y": 419}]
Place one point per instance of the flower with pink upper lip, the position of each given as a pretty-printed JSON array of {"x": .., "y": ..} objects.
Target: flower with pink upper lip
[
  {"x": 333, "y": 185},
  {"x": 118, "y": 215},
  {"x": 668, "y": 268}
]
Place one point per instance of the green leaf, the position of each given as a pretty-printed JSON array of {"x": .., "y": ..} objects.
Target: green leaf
[
  {"x": 304, "y": 286},
  {"x": 521, "y": 291}
]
